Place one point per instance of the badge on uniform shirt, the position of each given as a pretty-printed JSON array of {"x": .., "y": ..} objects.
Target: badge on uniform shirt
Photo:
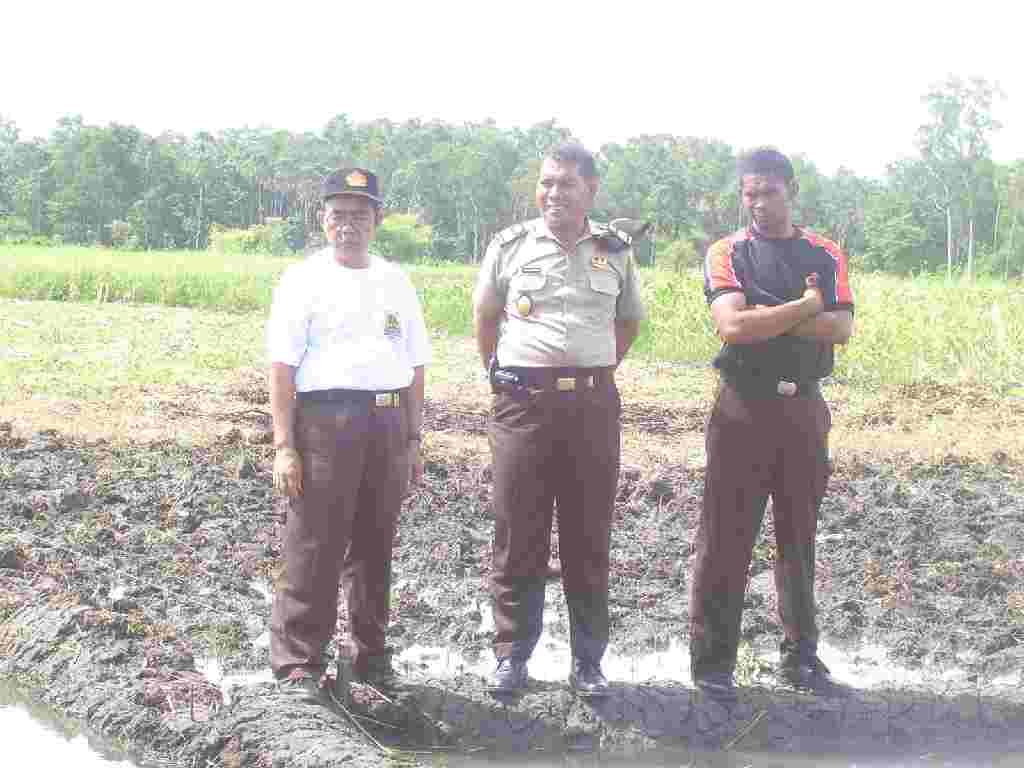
[
  {"x": 599, "y": 261},
  {"x": 392, "y": 326},
  {"x": 356, "y": 179},
  {"x": 524, "y": 305}
]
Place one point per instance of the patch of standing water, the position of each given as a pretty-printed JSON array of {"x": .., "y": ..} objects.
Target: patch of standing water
[
  {"x": 264, "y": 589},
  {"x": 864, "y": 667},
  {"x": 214, "y": 671},
  {"x": 31, "y": 735},
  {"x": 683, "y": 759}
]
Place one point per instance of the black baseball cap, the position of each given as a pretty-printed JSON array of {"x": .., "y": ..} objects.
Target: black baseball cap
[{"x": 351, "y": 181}]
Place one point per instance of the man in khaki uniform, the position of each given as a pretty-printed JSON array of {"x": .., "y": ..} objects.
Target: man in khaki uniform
[{"x": 556, "y": 307}]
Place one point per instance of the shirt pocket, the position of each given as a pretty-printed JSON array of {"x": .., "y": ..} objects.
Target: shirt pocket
[
  {"x": 526, "y": 293},
  {"x": 527, "y": 282},
  {"x": 605, "y": 283},
  {"x": 600, "y": 302}
]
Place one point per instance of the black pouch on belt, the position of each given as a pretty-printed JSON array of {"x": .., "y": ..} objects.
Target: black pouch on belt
[{"x": 502, "y": 380}]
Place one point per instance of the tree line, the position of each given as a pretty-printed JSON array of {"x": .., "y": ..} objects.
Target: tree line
[{"x": 948, "y": 208}]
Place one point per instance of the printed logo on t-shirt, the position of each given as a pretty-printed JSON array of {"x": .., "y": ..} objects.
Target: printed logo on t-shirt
[{"x": 392, "y": 325}]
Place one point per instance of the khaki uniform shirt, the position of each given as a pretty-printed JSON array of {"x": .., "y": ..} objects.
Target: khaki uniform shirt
[{"x": 558, "y": 309}]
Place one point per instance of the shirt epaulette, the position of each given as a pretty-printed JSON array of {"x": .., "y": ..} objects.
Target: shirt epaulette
[
  {"x": 511, "y": 234},
  {"x": 613, "y": 239},
  {"x": 629, "y": 230}
]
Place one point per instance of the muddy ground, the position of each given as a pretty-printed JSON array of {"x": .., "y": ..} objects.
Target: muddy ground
[{"x": 122, "y": 565}]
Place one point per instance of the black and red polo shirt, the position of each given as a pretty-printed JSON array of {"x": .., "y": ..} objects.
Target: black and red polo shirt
[{"x": 772, "y": 271}]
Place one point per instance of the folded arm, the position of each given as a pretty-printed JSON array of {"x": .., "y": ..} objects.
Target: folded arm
[{"x": 835, "y": 327}]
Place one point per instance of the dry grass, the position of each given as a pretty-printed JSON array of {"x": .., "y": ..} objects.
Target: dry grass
[{"x": 146, "y": 374}]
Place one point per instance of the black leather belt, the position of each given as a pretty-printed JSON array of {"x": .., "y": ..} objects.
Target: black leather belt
[
  {"x": 764, "y": 386},
  {"x": 389, "y": 399},
  {"x": 561, "y": 379}
]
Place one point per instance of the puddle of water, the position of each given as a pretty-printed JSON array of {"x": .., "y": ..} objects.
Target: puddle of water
[
  {"x": 683, "y": 759},
  {"x": 214, "y": 672},
  {"x": 864, "y": 667},
  {"x": 264, "y": 589},
  {"x": 33, "y": 735}
]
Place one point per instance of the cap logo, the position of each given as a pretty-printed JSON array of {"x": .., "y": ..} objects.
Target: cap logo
[{"x": 356, "y": 179}]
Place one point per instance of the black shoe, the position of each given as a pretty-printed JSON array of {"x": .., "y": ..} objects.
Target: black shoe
[
  {"x": 806, "y": 673},
  {"x": 509, "y": 677},
  {"x": 377, "y": 672},
  {"x": 716, "y": 685},
  {"x": 304, "y": 687},
  {"x": 587, "y": 680}
]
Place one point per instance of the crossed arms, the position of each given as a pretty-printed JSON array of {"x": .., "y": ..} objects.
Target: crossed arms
[{"x": 739, "y": 323}]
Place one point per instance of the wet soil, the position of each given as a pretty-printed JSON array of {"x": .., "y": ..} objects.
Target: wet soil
[{"x": 122, "y": 566}]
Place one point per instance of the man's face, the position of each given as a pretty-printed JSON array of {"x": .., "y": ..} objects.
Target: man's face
[
  {"x": 564, "y": 196},
  {"x": 350, "y": 221},
  {"x": 769, "y": 201}
]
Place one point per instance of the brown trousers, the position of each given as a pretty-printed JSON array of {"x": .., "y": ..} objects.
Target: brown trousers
[
  {"x": 354, "y": 475},
  {"x": 550, "y": 448},
  {"x": 757, "y": 447}
]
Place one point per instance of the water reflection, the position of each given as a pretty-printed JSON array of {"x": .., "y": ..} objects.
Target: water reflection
[
  {"x": 32, "y": 733},
  {"x": 682, "y": 759}
]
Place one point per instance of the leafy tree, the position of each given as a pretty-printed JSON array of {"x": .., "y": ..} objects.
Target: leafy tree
[{"x": 955, "y": 149}]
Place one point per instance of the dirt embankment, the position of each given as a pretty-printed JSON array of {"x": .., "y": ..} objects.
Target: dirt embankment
[{"x": 121, "y": 566}]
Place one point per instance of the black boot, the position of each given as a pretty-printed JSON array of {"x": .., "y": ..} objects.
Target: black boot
[
  {"x": 587, "y": 679},
  {"x": 378, "y": 672},
  {"x": 802, "y": 670},
  {"x": 303, "y": 685},
  {"x": 716, "y": 685},
  {"x": 510, "y": 677}
]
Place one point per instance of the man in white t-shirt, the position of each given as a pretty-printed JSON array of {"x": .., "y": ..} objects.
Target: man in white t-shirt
[{"x": 347, "y": 346}]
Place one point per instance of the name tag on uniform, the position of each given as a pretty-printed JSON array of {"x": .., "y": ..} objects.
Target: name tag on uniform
[
  {"x": 529, "y": 270},
  {"x": 599, "y": 261}
]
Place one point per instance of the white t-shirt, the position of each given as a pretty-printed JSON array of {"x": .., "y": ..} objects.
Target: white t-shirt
[{"x": 347, "y": 328}]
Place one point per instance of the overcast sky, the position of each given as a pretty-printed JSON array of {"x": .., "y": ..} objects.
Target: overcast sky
[{"x": 841, "y": 82}]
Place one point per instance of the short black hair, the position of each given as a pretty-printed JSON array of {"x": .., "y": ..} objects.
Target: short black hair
[
  {"x": 574, "y": 152},
  {"x": 764, "y": 161}
]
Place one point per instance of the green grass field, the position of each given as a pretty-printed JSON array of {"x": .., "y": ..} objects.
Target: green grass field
[{"x": 908, "y": 329}]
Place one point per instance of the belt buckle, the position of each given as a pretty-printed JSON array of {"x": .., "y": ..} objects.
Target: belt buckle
[
  {"x": 387, "y": 399},
  {"x": 565, "y": 384},
  {"x": 786, "y": 388}
]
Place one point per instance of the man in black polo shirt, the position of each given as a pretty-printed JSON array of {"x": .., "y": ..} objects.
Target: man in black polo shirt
[{"x": 780, "y": 300}]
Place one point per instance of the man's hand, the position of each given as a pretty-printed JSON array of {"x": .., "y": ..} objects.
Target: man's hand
[
  {"x": 288, "y": 472},
  {"x": 415, "y": 462},
  {"x": 812, "y": 293}
]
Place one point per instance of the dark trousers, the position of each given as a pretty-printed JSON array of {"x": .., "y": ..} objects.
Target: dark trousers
[
  {"x": 757, "y": 447},
  {"x": 354, "y": 475},
  {"x": 553, "y": 448}
]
